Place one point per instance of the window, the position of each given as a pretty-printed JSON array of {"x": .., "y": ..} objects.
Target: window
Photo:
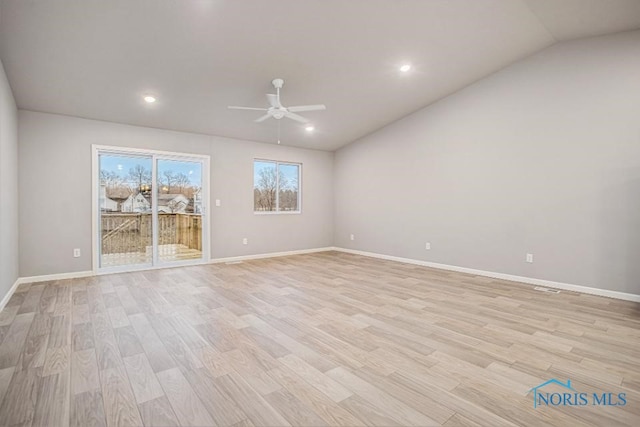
[{"x": 276, "y": 187}]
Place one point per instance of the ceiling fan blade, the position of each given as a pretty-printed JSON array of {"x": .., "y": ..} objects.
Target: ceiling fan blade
[
  {"x": 231, "y": 107},
  {"x": 263, "y": 118},
  {"x": 296, "y": 117},
  {"x": 274, "y": 100},
  {"x": 299, "y": 108}
]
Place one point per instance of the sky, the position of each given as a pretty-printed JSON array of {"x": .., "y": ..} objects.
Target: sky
[
  {"x": 122, "y": 164},
  {"x": 290, "y": 172}
]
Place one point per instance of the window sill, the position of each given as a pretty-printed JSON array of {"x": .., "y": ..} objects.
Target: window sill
[{"x": 278, "y": 213}]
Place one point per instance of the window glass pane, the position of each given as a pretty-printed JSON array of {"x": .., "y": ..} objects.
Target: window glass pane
[
  {"x": 125, "y": 210},
  {"x": 289, "y": 187},
  {"x": 179, "y": 208},
  {"x": 264, "y": 186}
]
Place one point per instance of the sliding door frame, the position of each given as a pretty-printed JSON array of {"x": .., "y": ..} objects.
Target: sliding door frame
[{"x": 154, "y": 155}]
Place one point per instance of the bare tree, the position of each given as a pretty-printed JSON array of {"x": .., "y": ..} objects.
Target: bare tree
[
  {"x": 288, "y": 200},
  {"x": 115, "y": 185},
  {"x": 182, "y": 182},
  {"x": 139, "y": 175},
  {"x": 169, "y": 180},
  {"x": 176, "y": 206},
  {"x": 266, "y": 188},
  {"x": 288, "y": 194},
  {"x": 257, "y": 201},
  {"x": 110, "y": 179},
  {"x": 267, "y": 183}
]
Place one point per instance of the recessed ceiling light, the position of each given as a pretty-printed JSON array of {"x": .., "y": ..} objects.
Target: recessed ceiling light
[
  {"x": 405, "y": 68},
  {"x": 150, "y": 99},
  {"x": 309, "y": 128}
]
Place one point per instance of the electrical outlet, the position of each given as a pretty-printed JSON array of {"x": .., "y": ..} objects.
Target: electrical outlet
[
  {"x": 352, "y": 237},
  {"x": 530, "y": 258},
  {"x": 217, "y": 202},
  {"x": 76, "y": 253},
  {"x": 427, "y": 246},
  {"x": 245, "y": 241}
]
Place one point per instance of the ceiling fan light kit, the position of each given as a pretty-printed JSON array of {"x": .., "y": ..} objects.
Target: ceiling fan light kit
[{"x": 277, "y": 111}]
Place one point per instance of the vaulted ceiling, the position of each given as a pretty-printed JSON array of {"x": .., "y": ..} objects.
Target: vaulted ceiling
[{"x": 98, "y": 58}]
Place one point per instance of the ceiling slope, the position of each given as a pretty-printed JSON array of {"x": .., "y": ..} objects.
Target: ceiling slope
[{"x": 97, "y": 59}]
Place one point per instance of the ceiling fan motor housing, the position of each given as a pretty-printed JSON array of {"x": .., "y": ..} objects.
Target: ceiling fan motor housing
[{"x": 277, "y": 111}]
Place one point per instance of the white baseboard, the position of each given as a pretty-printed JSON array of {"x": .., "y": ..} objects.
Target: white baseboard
[
  {"x": 79, "y": 274},
  {"x": 7, "y": 297},
  {"x": 59, "y": 276},
  {"x": 521, "y": 279},
  {"x": 270, "y": 255},
  {"x": 43, "y": 278}
]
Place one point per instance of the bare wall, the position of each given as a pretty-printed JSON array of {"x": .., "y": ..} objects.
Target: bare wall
[
  {"x": 8, "y": 186},
  {"x": 542, "y": 157},
  {"x": 55, "y": 187}
]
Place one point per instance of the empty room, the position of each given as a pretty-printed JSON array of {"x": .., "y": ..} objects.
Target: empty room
[{"x": 320, "y": 213}]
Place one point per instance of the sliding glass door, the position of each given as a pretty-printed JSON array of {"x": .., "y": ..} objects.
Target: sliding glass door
[{"x": 149, "y": 209}]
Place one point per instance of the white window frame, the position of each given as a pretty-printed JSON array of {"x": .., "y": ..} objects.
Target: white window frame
[{"x": 278, "y": 211}]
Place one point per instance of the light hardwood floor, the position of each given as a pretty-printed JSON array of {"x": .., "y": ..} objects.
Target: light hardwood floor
[{"x": 321, "y": 339}]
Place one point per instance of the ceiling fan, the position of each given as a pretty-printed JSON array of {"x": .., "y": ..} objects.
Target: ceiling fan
[{"x": 277, "y": 110}]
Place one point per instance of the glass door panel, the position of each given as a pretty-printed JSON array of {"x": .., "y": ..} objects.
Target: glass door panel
[
  {"x": 125, "y": 210},
  {"x": 179, "y": 210}
]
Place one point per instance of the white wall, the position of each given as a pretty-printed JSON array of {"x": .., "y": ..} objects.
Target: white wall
[
  {"x": 55, "y": 173},
  {"x": 542, "y": 157},
  {"x": 8, "y": 186}
]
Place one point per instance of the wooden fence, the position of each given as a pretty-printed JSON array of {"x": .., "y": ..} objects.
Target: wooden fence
[{"x": 131, "y": 232}]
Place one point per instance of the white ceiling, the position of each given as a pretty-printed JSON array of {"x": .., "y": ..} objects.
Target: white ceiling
[{"x": 97, "y": 58}]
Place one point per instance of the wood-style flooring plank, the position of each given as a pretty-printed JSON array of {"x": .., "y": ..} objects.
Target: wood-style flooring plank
[
  {"x": 223, "y": 409},
  {"x": 186, "y": 404},
  {"x": 8, "y": 314},
  {"x": 158, "y": 412},
  {"x": 52, "y": 408},
  {"x": 318, "y": 339},
  {"x": 56, "y": 361},
  {"x": 118, "y": 317},
  {"x": 458, "y": 420},
  {"x": 32, "y": 299},
  {"x": 80, "y": 314},
  {"x": 87, "y": 410},
  {"x": 14, "y": 340},
  {"x": 143, "y": 381},
  {"x": 3, "y": 332},
  {"x": 292, "y": 409},
  {"x": 19, "y": 404},
  {"x": 82, "y": 336},
  {"x": 34, "y": 352},
  {"x": 63, "y": 299},
  {"x": 119, "y": 402},
  {"x": 400, "y": 411},
  {"x": 319, "y": 380},
  {"x": 258, "y": 410},
  {"x": 60, "y": 335},
  {"x": 5, "y": 379},
  {"x": 41, "y": 325},
  {"x": 85, "y": 374},
  {"x": 128, "y": 341},
  {"x": 331, "y": 412},
  {"x": 159, "y": 358}
]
